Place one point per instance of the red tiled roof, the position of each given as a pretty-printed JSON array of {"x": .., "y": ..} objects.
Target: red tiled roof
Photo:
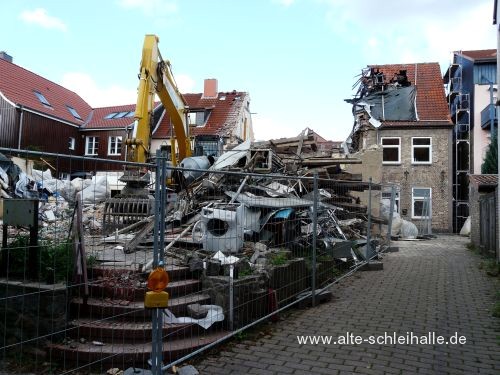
[
  {"x": 431, "y": 100},
  {"x": 395, "y": 124},
  {"x": 18, "y": 85},
  {"x": 481, "y": 54},
  {"x": 484, "y": 179},
  {"x": 98, "y": 120},
  {"x": 223, "y": 108}
]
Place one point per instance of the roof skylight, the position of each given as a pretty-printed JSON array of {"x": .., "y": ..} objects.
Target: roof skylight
[
  {"x": 74, "y": 112},
  {"x": 42, "y": 99}
]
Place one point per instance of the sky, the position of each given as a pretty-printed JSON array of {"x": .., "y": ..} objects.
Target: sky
[{"x": 298, "y": 59}]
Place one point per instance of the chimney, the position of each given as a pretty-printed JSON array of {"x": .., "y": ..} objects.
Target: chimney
[
  {"x": 5, "y": 56},
  {"x": 210, "y": 88}
]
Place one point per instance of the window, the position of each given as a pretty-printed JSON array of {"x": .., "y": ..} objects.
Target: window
[
  {"x": 71, "y": 143},
  {"x": 73, "y": 112},
  {"x": 387, "y": 195},
  {"x": 421, "y": 150},
  {"x": 42, "y": 99},
  {"x": 114, "y": 145},
  {"x": 421, "y": 203},
  {"x": 119, "y": 114},
  {"x": 91, "y": 145},
  {"x": 197, "y": 118},
  {"x": 391, "y": 150}
]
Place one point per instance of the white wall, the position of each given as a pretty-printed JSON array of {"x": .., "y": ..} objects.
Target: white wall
[{"x": 481, "y": 137}]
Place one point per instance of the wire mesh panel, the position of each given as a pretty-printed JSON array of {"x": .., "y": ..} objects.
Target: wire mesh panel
[{"x": 239, "y": 241}]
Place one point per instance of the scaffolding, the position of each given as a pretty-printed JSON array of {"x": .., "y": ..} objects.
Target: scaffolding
[{"x": 459, "y": 104}]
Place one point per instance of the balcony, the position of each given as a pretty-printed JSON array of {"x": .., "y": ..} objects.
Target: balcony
[{"x": 489, "y": 112}]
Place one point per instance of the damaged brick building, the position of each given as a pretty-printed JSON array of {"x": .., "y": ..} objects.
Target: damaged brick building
[{"x": 400, "y": 112}]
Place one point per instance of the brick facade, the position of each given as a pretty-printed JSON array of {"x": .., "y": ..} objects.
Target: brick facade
[{"x": 436, "y": 176}]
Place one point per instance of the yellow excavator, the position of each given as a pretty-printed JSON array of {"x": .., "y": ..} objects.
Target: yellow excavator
[{"x": 134, "y": 202}]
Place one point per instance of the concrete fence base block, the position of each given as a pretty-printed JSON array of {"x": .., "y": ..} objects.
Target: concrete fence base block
[
  {"x": 321, "y": 297},
  {"x": 372, "y": 266},
  {"x": 137, "y": 371}
]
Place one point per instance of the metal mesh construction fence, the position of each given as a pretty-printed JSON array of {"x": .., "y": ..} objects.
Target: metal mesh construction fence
[{"x": 238, "y": 247}]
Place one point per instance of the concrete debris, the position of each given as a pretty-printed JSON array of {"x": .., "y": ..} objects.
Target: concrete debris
[
  {"x": 197, "y": 311},
  {"x": 187, "y": 370}
]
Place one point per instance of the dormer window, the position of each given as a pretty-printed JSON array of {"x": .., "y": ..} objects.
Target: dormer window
[
  {"x": 73, "y": 112},
  {"x": 198, "y": 118},
  {"x": 42, "y": 99}
]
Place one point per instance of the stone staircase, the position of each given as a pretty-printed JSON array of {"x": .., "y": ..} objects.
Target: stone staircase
[{"x": 113, "y": 329}]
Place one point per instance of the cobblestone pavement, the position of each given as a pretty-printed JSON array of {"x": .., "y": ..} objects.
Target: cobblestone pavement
[{"x": 428, "y": 286}]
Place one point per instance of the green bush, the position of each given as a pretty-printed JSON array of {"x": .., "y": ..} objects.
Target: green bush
[
  {"x": 490, "y": 163},
  {"x": 54, "y": 260},
  {"x": 279, "y": 259}
]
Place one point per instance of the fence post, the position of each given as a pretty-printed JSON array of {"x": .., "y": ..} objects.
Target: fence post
[
  {"x": 315, "y": 228},
  {"x": 429, "y": 217},
  {"x": 231, "y": 297},
  {"x": 157, "y": 316},
  {"x": 391, "y": 211},
  {"x": 369, "y": 224}
]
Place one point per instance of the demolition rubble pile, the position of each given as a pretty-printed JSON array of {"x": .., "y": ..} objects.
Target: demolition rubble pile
[
  {"x": 255, "y": 200},
  {"x": 56, "y": 198},
  {"x": 268, "y": 208}
]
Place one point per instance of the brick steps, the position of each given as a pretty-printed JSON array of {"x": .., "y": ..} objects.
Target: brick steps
[
  {"x": 174, "y": 272},
  {"x": 130, "y": 310},
  {"x": 114, "y": 316},
  {"x": 126, "y": 355},
  {"x": 131, "y": 332},
  {"x": 105, "y": 288}
]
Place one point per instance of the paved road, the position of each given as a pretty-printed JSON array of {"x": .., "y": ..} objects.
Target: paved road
[{"x": 428, "y": 286}]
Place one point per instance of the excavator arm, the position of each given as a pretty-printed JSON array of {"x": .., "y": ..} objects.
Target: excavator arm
[
  {"x": 155, "y": 78},
  {"x": 134, "y": 202}
]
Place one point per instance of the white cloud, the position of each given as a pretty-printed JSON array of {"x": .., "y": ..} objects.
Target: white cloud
[
  {"x": 151, "y": 8},
  {"x": 41, "y": 18},
  {"x": 424, "y": 30},
  {"x": 97, "y": 96},
  {"x": 185, "y": 83}
]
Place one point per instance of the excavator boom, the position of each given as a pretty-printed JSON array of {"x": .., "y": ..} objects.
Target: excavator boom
[{"x": 155, "y": 78}]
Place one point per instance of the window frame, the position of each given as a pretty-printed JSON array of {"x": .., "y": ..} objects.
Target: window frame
[
  {"x": 71, "y": 143},
  {"x": 391, "y": 146},
  {"x": 429, "y": 146},
  {"x": 42, "y": 99},
  {"x": 95, "y": 145},
  {"x": 74, "y": 113},
  {"x": 115, "y": 153},
  {"x": 198, "y": 124},
  {"x": 415, "y": 199}
]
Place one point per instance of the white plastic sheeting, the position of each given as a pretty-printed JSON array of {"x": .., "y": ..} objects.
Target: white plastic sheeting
[
  {"x": 215, "y": 314},
  {"x": 96, "y": 192},
  {"x": 40, "y": 176},
  {"x": 465, "y": 231},
  {"x": 408, "y": 230}
]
